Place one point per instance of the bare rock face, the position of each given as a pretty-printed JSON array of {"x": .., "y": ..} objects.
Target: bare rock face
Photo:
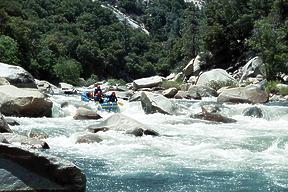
[
  {"x": 249, "y": 94},
  {"x": 23, "y": 103},
  {"x": 17, "y": 76},
  {"x": 29, "y": 170},
  {"x": 4, "y": 127}
]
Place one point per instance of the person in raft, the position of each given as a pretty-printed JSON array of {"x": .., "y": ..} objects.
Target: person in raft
[
  {"x": 97, "y": 90},
  {"x": 98, "y": 97},
  {"x": 112, "y": 97}
]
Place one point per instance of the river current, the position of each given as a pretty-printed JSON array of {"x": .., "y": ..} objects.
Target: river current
[{"x": 189, "y": 155}]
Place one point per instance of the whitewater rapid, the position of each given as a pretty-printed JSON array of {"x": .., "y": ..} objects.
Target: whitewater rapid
[{"x": 189, "y": 155}]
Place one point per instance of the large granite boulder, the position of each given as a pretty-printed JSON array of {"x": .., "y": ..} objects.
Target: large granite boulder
[
  {"x": 170, "y": 93},
  {"x": 24, "y": 103},
  {"x": 216, "y": 78},
  {"x": 156, "y": 103},
  {"x": 17, "y": 76},
  {"x": 120, "y": 122},
  {"x": 46, "y": 87},
  {"x": 251, "y": 69},
  {"x": 29, "y": 170},
  {"x": 248, "y": 94},
  {"x": 83, "y": 113},
  {"x": 193, "y": 67},
  {"x": 15, "y": 138},
  {"x": 4, "y": 127},
  {"x": 188, "y": 69},
  {"x": 148, "y": 82}
]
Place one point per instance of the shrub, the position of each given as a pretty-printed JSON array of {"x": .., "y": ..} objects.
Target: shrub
[
  {"x": 271, "y": 87},
  {"x": 116, "y": 81}
]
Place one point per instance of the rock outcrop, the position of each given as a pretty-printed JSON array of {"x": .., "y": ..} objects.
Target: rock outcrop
[
  {"x": 23, "y": 103},
  {"x": 17, "y": 76},
  {"x": 26, "y": 170}
]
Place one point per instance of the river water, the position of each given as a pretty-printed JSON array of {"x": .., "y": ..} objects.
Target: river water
[{"x": 250, "y": 155}]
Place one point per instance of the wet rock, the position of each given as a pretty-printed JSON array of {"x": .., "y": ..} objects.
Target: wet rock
[
  {"x": 204, "y": 115},
  {"x": 138, "y": 132},
  {"x": 4, "y": 81},
  {"x": 24, "y": 103},
  {"x": 4, "y": 127},
  {"x": 253, "y": 112},
  {"x": 150, "y": 132},
  {"x": 170, "y": 93},
  {"x": 12, "y": 122},
  {"x": 83, "y": 113},
  {"x": 195, "y": 91},
  {"x": 147, "y": 82},
  {"x": 156, "y": 103},
  {"x": 17, "y": 76},
  {"x": 88, "y": 138},
  {"x": 30, "y": 170},
  {"x": 94, "y": 129},
  {"x": 249, "y": 94},
  {"x": 37, "y": 134},
  {"x": 3, "y": 140},
  {"x": 64, "y": 104},
  {"x": 25, "y": 141}
]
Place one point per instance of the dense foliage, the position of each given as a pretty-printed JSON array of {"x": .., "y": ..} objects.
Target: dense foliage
[{"x": 67, "y": 39}]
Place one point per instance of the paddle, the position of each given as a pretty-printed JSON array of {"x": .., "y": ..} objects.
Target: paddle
[{"x": 120, "y": 103}]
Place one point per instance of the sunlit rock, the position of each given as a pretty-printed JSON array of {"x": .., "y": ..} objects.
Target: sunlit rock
[
  {"x": 148, "y": 82},
  {"x": 249, "y": 94},
  {"x": 156, "y": 103},
  {"x": 4, "y": 81},
  {"x": 37, "y": 134},
  {"x": 17, "y": 76},
  {"x": 170, "y": 93},
  {"x": 88, "y": 138},
  {"x": 203, "y": 91},
  {"x": 83, "y": 113},
  {"x": 28, "y": 170},
  {"x": 23, "y": 103},
  {"x": 14, "y": 138},
  {"x": 214, "y": 117}
]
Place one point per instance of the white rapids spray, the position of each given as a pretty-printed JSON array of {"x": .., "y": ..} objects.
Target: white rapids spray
[{"x": 246, "y": 149}]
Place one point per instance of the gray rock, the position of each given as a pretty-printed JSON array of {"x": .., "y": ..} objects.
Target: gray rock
[
  {"x": 251, "y": 69},
  {"x": 253, "y": 112},
  {"x": 4, "y": 127},
  {"x": 37, "y": 134},
  {"x": 216, "y": 78},
  {"x": 156, "y": 103},
  {"x": 88, "y": 138},
  {"x": 4, "y": 81},
  {"x": 213, "y": 117},
  {"x": 83, "y": 113},
  {"x": 188, "y": 70},
  {"x": 135, "y": 97},
  {"x": 23, "y": 103},
  {"x": 17, "y": 76},
  {"x": 27, "y": 170},
  {"x": 94, "y": 129},
  {"x": 182, "y": 95},
  {"x": 150, "y": 132},
  {"x": 197, "y": 65},
  {"x": 25, "y": 141},
  {"x": 3, "y": 140},
  {"x": 170, "y": 93},
  {"x": 11, "y": 122},
  {"x": 138, "y": 132},
  {"x": 46, "y": 87},
  {"x": 249, "y": 94},
  {"x": 148, "y": 82}
]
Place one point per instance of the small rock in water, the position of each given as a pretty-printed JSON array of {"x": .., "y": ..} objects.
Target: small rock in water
[
  {"x": 253, "y": 112},
  {"x": 88, "y": 138}
]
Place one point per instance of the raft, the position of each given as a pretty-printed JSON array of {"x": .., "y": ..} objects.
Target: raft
[{"x": 108, "y": 106}]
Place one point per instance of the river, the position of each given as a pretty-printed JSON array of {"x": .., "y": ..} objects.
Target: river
[{"x": 250, "y": 155}]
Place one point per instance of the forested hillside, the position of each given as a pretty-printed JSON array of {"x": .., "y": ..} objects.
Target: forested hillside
[{"x": 67, "y": 39}]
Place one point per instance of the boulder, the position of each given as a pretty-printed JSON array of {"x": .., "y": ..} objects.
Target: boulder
[
  {"x": 25, "y": 141},
  {"x": 4, "y": 127},
  {"x": 171, "y": 76},
  {"x": 94, "y": 129},
  {"x": 156, "y": 103},
  {"x": 17, "y": 76},
  {"x": 179, "y": 77},
  {"x": 23, "y": 103},
  {"x": 170, "y": 93},
  {"x": 188, "y": 70},
  {"x": 83, "y": 113},
  {"x": 216, "y": 78},
  {"x": 119, "y": 122},
  {"x": 248, "y": 94},
  {"x": 197, "y": 65},
  {"x": 195, "y": 91},
  {"x": 30, "y": 170},
  {"x": 251, "y": 69},
  {"x": 253, "y": 112},
  {"x": 46, "y": 87},
  {"x": 205, "y": 115},
  {"x": 3, "y": 139},
  {"x": 148, "y": 82},
  {"x": 11, "y": 122},
  {"x": 4, "y": 81},
  {"x": 182, "y": 95},
  {"x": 135, "y": 97},
  {"x": 37, "y": 134},
  {"x": 88, "y": 138}
]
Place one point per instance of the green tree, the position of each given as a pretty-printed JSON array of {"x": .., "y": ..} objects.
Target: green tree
[{"x": 8, "y": 50}]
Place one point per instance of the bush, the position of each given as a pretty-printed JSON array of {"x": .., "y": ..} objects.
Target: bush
[
  {"x": 92, "y": 80},
  {"x": 169, "y": 84},
  {"x": 68, "y": 70},
  {"x": 271, "y": 87},
  {"x": 216, "y": 85},
  {"x": 116, "y": 82}
]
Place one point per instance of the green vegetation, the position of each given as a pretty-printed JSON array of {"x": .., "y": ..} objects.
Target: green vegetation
[
  {"x": 271, "y": 87},
  {"x": 46, "y": 36},
  {"x": 170, "y": 84},
  {"x": 216, "y": 85}
]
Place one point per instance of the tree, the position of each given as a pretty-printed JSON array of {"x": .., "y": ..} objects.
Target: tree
[{"x": 8, "y": 50}]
